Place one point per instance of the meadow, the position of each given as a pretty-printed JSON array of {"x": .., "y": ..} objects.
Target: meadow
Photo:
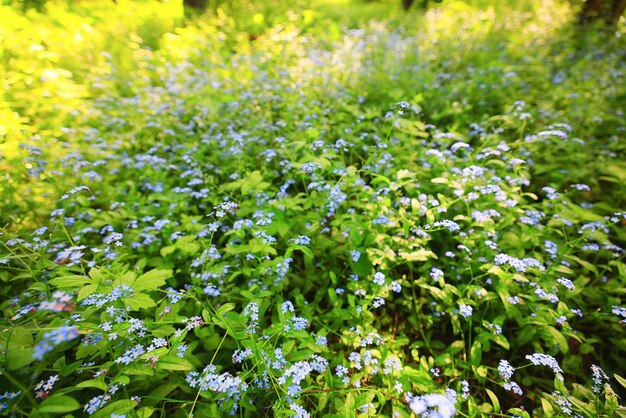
[{"x": 308, "y": 208}]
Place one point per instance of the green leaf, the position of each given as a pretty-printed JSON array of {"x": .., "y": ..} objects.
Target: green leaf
[
  {"x": 586, "y": 408},
  {"x": 96, "y": 274},
  {"x": 140, "y": 301},
  {"x": 151, "y": 280},
  {"x": 173, "y": 363},
  {"x": 558, "y": 338},
  {"x": 585, "y": 264},
  {"x": 59, "y": 404},
  {"x": 519, "y": 412},
  {"x": 349, "y": 407},
  {"x": 363, "y": 266},
  {"x": 501, "y": 341},
  {"x": 620, "y": 379},
  {"x": 163, "y": 390},
  {"x": 128, "y": 278},
  {"x": 98, "y": 384},
  {"x": 139, "y": 369},
  {"x": 494, "y": 400},
  {"x": 70, "y": 281},
  {"x": 586, "y": 348},
  {"x": 254, "y": 181},
  {"x": 122, "y": 379},
  {"x": 118, "y": 407},
  {"x": 206, "y": 315},
  {"x": 476, "y": 353},
  {"x": 185, "y": 245},
  {"x": 547, "y": 407},
  {"x": 227, "y": 307},
  {"x": 145, "y": 412},
  {"x": 86, "y": 291},
  {"x": 20, "y": 349},
  {"x": 419, "y": 255},
  {"x": 70, "y": 368}
]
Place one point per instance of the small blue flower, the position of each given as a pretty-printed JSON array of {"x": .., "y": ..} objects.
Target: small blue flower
[
  {"x": 505, "y": 370},
  {"x": 302, "y": 240},
  {"x": 379, "y": 278},
  {"x": 465, "y": 310},
  {"x": 52, "y": 339}
]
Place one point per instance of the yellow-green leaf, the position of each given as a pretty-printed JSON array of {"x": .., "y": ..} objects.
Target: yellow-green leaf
[
  {"x": 494, "y": 400},
  {"x": 151, "y": 280}
]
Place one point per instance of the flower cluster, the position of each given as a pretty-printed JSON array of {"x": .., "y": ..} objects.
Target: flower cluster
[
  {"x": 431, "y": 405},
  {"x": 506, "y": 372},
  {"x": 53, "y": 338},
  {"x": 43, "y": 388}
]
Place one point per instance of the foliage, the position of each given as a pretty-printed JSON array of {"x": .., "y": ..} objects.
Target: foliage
[{"x": 311, "y": 213}]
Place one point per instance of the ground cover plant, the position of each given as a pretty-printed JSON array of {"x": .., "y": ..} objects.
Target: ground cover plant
[{"x": 311, "y": 209}]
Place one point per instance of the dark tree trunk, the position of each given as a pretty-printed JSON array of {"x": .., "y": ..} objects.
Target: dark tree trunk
[
  {"x": 194, "y": 6},
  {"x": 607, "y": 11},
  {"x": 406, "y": 4}
]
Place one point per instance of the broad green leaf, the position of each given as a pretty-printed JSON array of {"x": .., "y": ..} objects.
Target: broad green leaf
[
  {"x": 494, "y": 400},
  {"x": 476, "y": 353},
  {"x": 185, "y": 245},
  {"x": 122, "y": 379},
  {"x": 558, "y": 338},
  {"x": 86, "y": 291},
  {"x": 547, "y": 407},
  {"x": 58, "y": 404},
  {"x": 419, "y": 255},
  {"x": 163, "y": 390},
  {"x": 20, "y": 348},
  {"x": 98, "y": 384},
  {"x": 70, "y": 281},
  {"x": 227, "y": 307},
  {"x": 96, "y": 274},
  {"x": 145, "y": 412},
  {"x": 151, "y": 280},
  {"x": 139, "y": 369},
  {"x": 586, "y": 408},
  {"x": 519, "y": 412},
  {"x": 501, "y": 341},
  {"x": 349, "y": 406},
  {"x": 620, "y": 379},
  {"x": 173, "y": 363},
  {"x": 140, "y": 301},
  {"x": 70, "y": 368},
  {"x": 118, "y": 407}
]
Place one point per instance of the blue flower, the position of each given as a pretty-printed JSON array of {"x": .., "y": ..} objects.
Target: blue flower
[
  {"x": 505, "y": 370},
  {"x": 379, "y": 278},
  {"x": 302, "y": 240},
  {"x": 448, "y": 224},
  {"x": 53, "y": 338},
  {"x": 287, "y": 306},
  {"x": 131, "y": 354},
  {"x": 299, "y": 411},
  {"x": 465, "y": 310},
  {"x": 513, "y": 387},
  {"x": 436, "y": 273},
  {"x": 540, "y": 359}
]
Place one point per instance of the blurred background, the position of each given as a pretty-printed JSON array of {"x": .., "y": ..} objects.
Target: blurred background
[{"x": 458, "y": 59}]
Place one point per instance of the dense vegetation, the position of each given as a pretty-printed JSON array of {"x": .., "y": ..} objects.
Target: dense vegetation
[{"x": 322, "y": 209}]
